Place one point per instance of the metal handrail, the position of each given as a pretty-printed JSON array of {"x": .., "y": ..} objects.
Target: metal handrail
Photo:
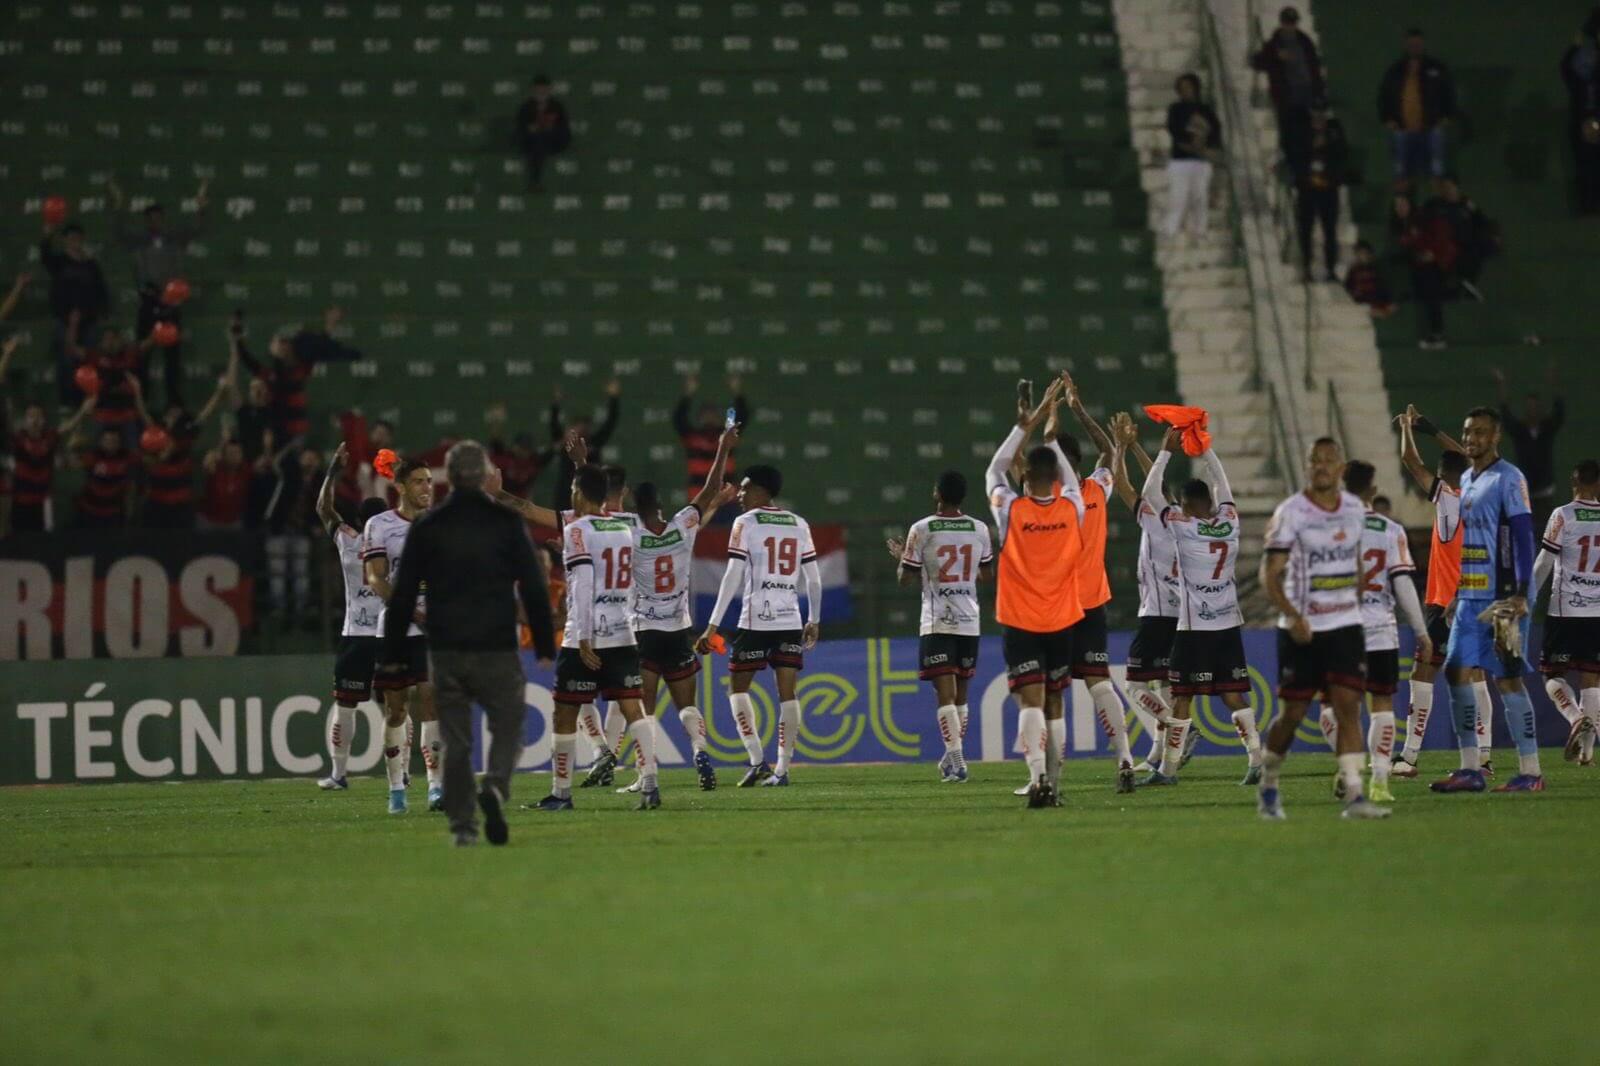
[
  {"x": 1336, "y": 423},
  {"x": 1250, "y": 207}
]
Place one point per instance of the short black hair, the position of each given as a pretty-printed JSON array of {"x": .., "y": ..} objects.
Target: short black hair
[
  {"x": 1587, "y": 471},
  {"x": 646, "y": 498},
  {"x": 1484, "y": 412},
  {"x": 371, "y": 507},
  {"x": 1453, "y": 463},
  {"x": 765, "y": 477},
  {"x": 1042, "y": 463},
  {"x": 1069, "y": 445},
  {"x": 952, "y": 487},
  {"x": 1359, "y": 476},
  {"x": 589, "y": 481},
  {"x": 541, "y": 78},
  {"x": 152, "y": 209},
  {"x": 406, "y": 467},
  {"x": 1288, "y": 14},
  {"x": 1320, "y": 441},
  {"x": 616, "y": 478},
  {"x": 1197, "y": 490},
  {"x": 1381, "y": 501},
  {"x": 1192, "y": 78},
  {"x": 70, "y": 228}
]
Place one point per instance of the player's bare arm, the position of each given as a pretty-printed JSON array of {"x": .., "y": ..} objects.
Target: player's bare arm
[
  {"x": 378, "y": 578},
  {"x": 1102, "y": 440},
  {"x": 1274, "y": 568},
  {"x": 1124, "y": 434},
  {"x": 704, "y": 500},
  {"x": 326, "y": 513}
]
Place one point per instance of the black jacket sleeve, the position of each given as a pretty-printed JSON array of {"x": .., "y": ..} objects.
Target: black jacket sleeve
[
  {"x": 102, "y": 293},
  {"x": 680, "y": 417},
  {"x": 531, "y": 587},
  {"x": 1389, "y": 93},
  {"x": 602, "y": 433},
  {"x": 403, "y": 600},
  {"x": 741, "y": 409}
]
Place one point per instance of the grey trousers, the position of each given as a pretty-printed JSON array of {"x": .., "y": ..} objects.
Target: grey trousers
[{"x": 492, "y": 679}]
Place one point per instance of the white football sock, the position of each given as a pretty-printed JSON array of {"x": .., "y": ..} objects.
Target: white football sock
[
  {"x": 1330, "y": 728},
  {"x": 744, "y": 716},
  {"x": 694, "y": 724},
  {"x": 1244, "y": 720},
  {"x": 1380, "y": 744},
  {"x": 1172, "y": 754},
  {"x": 589, "y": 723},
  {"x": 961, "y": 709},
  {"x": 1589, "y": 700},
  {"x": 1480, "y": 693},
  {"x": 1350, "y": 770},
  {"x": 564, "y": 751},
  {"x": 950, "y": 728},
  {"x": 1417, "y": 720},
  {"x": 396, "y": 754},
  {"x": 614, "y": 727},
  {"x": 1150, "y": 710},
  {"x": 788, "y": 733},
  {"x": 1271, "y": 768},
  {"x": 1529, "y": 764},
  {"x": 1108, "y": 711},
  {"x": 341, "y": 733},
  {"x": 1031, "y": 736},
  {"x": 643, "y": 733},
  {"x": 432, "y": 754},
  {"x": 1562, "y": 696},
  {"x": 1055, "y": 751}
]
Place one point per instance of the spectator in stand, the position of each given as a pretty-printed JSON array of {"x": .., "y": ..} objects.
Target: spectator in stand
[
  {"x": 542, "y": 130},
  {"x": 1294, "y": 78},
  {"x": 78, "y": 294},
  {"x": 1365, "y": 284},
  {"x": 103, "y": 500},
  {"x": 1533, "y": 434},
  {"x": 118, "y": 364},
  {"x": 291, "y": 522},
  {"x": 596, "y": 437},
  {"x": 1415, "y": 99},
  {"x": 1430, "y": 252},
  {"x": 1475, "y": 236},
  {"x": 1324, "y": 163},
  {"x": 700, "y": 436},
  {"x": 34, "y": 449},
  {"x": 518, "y": 461},
  {"x": 227, "y": 491},
  {"x": 294, "y": 355},
  {"x": 1196, "y": 135},
  {"x": 158, "y": 252},
  {"x": 169, "y": 473},
  {"x": 1580, "y": 69}
]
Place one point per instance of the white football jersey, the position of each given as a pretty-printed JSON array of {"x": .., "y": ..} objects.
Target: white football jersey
[
  {"x": 361, "y": 604},
  {"x": 1324, "y": 559},
  {"x": 604, "y": 544},
  {"x": 947, "y": 550},
  {"x": 775, "y": 544},
  {"x": 385, "y": 538},
  {"x": 1208, "y": 552},
  {"x": 662, "y": 563},
  {"x": 1160, "y": 588},
  {"x": 1385, "y": 559},
  {"x": 1573, "y": 535}
]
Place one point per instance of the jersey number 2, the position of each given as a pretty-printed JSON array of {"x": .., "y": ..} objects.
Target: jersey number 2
[{"x": 1378, "y": 558}]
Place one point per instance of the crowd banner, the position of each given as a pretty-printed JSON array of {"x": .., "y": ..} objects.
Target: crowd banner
[
  {"x": 266, "y": 716},
  {"x": 79, "y": 594}
]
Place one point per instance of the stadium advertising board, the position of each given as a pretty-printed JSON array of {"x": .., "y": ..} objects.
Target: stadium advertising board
[
  {"x": 266, "y": 716},
  {"x": 138, "y": 595}
]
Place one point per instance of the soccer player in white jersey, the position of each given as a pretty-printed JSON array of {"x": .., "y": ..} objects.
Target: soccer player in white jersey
[
  {"x": 1160, "y": 596},
  {"x": 663, "y": 558},
  {"x": 1208, "y": 647},
  {"x": 770, "y": 552},
  {"x": 1311, "y": 573},
  {"x": 599, "y": 653},
  {"x": 948, "y": 552},
  {"x": 385, "y": 540},
  {"x": 1569, "y": 558},
  {"x": 358, "y": 637},
  {"x": 1387, "y": 591}
]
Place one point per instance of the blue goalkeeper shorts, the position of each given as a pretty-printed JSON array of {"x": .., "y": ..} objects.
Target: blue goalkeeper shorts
[{"x": 1472, "y": 644}]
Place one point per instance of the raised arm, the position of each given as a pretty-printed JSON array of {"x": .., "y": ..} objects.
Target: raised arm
[
  {"x": 1123, "y": 433},
  {"x": 1219, "y": 477},
  {"x": 12, "y": 297},
  {"x": 1154, "y": 491},
  {"x": 325, "y": 509},
  {"x": 1101, "y": 439},
  {"x": 79, "y": 415},
  {"x": 1410, "y": 458},
  {"x": 714, "y": 478}
]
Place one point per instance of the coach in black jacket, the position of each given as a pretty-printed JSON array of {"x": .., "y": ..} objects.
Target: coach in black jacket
[{"x": 474, "y": 560}]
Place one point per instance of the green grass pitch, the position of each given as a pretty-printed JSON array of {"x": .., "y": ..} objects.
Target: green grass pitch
[{"x": 866, "y": 914}]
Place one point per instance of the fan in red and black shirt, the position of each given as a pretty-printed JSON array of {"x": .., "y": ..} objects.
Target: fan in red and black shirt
[
  {"x": 227, "y": 491},
  {"x": 119, "y": 365},
  {"x": 103, "y": 501},
  {"x": 169, "y": 474},
  {"x": 294, "y": 357},
  {"x": 701, "y": 435},
  {"x": 33, "y": 450}
]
